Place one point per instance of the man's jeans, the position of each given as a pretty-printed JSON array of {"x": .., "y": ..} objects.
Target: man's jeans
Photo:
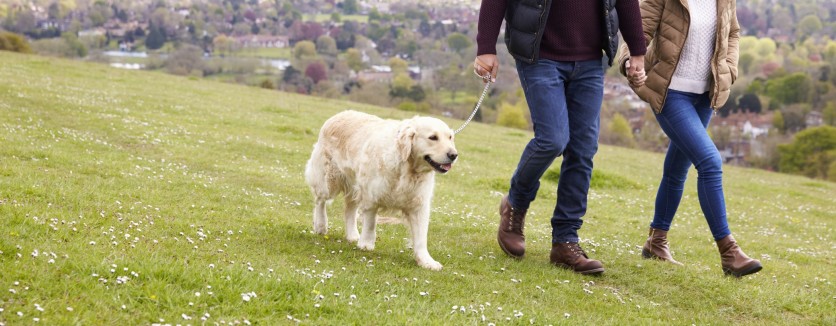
[
  {"x": 684, "y": 119},
  {"x": 564, "y": 99}
]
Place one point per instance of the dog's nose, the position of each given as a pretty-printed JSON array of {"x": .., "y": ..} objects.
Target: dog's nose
[{"x": 452, "y": 156}]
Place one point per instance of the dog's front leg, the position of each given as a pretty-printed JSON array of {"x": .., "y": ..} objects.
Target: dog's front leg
[
  {"x": 419, "y": 223},
  {"x": 368, "y": 236}
]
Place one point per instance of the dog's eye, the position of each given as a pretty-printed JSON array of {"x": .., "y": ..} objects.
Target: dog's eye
[{"x": 433, "y": 137}]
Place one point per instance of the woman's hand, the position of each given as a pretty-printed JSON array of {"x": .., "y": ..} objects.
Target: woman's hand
[
  {"x": 486, "y": 65},
  {"x": 635, "y": 71}
]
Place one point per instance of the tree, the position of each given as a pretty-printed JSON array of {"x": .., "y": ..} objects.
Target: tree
[
  {"x": 749, "y": 102},
  {"x": 401, "y": 85},
  {"x": 794, "y": 88},
  {"x": 155, "y": 38},
  {"x": 304, "y": 49},
  {"x": 829, "y": 114},
  {"x": 745, "y": 62},
  {"x": 326, "y": 45},
  {"x": 316, "y": 72},
  {"x": 350, "y": 7},
  {"x": 222, "y": 44},
  {"x": 765, "y": 47},
  {"x": 458, "y": 42},
  {"x": 811, "y": 153},
  {"x": 312, "y": 30},
  {"x": 778, "y": 121},
  {"x": 808, "y": 26},
  {"x": 398, "y": 65},
  {"x": 794, "y": 117},
  {"x": 354, "y": 59}
]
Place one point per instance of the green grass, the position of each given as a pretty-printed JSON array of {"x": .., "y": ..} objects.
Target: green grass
[
  {"x": 268, "y": 53},
  {"x": 130, "y": 197},
  {"x": 322, "y": 18}
]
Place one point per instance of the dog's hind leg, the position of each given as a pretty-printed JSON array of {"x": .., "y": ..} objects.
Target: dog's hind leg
[
  {"x": 419, "y": 223},
  {"x": 351, "y": 220},
  {"x": 369, "y": 234}
]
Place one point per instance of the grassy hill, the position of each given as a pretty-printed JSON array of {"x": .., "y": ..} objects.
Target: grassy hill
[{"x": 136, "y": 198}]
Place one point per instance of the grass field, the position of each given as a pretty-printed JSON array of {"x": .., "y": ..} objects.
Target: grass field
[
  {"x": 131, "y": 198},
  {"x": 267, "y": 53}
]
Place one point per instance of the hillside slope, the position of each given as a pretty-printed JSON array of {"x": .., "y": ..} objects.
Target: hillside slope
[{"x": 136, "y": 197}]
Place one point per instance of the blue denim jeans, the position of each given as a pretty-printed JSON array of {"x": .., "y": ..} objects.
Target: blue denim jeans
[
  {"x": 684, "y": 119},
  {"x": 564, "y": 99}
]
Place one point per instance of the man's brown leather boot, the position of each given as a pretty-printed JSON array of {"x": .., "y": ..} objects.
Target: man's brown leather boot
[
  {"x": 569, "y": 255},
  {"x": 656, "y": 247},
  {"x": 734, "y": 261},
  {"x": 511, "y": 223}
]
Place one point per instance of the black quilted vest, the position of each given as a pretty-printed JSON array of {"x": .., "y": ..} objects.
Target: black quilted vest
[{"x": 525, "y": 21}]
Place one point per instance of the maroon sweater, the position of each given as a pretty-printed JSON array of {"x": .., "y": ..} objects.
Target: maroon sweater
[{"x": 574, "y": 29}]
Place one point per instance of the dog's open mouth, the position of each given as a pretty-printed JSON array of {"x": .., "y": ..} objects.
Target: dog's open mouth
[{"x": 441, "y": 168}]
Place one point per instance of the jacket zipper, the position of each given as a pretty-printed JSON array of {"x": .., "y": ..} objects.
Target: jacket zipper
[
  {"x": 716, "y": 63},
  {"x": 537, "y": 36},
  {"x": 679, "y": 56}
]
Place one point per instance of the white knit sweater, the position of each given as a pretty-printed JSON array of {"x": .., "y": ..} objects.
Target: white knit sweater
[{"x": 693, "y": 72}]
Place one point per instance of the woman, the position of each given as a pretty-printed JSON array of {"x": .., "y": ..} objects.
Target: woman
[{"x": 691, "y": 62}]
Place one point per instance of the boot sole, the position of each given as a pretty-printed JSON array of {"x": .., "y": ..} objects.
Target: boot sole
[
  {"x": 648, "y": 255},
  {"x": 596, "y": 271},
  {"x": 750, "y": 270},
  {"x": 502, "y": 246}
]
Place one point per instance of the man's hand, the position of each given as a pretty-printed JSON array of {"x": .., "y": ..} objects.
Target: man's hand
[
  {"x": 635, "y": 71},
  {"x": 486, "y": 65}
]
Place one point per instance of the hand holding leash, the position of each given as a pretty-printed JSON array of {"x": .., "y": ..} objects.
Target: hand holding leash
[{"x": 486, "y": 66}]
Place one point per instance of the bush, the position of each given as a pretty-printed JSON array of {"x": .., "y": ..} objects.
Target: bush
[
  {"x": 14, "y": 42},
  {"x": 267, "y": 83},
  {"x": 811, "y": 153},
  {"x": 186, "y": 60},
  {"x": 511, "y": 116}
]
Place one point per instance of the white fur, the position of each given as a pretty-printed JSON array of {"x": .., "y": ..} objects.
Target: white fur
[{"x": 379, "y": 165}]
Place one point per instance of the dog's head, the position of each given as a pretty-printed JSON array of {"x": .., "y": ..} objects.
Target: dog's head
[{"x": 428, "y": 140}]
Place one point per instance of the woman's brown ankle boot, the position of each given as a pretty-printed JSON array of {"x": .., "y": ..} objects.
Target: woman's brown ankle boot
[
  {"x": 656, "y": 247},
  {"x": 734, "y": 261}
]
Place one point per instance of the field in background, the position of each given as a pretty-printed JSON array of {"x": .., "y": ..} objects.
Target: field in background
[{"x": 134, "y": 197}]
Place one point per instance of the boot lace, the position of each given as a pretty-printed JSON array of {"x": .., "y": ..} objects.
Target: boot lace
[
  {"x": 517, "y": 220},
  {"x": 575, "y": 249}
]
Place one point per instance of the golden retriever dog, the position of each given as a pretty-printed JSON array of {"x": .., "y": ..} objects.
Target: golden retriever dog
[{"x": 380, "y": 165}]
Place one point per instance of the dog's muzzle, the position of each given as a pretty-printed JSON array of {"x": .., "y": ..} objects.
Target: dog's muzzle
[{"x": 442, "y": 167}]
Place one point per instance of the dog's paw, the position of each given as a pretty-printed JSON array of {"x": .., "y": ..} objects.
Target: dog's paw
[
  {"x": 431, "y": 265},
  {"x": 364, "y": 245},
  {"x": 320, "y": 228},
  {"x": 352, "y": 238}
]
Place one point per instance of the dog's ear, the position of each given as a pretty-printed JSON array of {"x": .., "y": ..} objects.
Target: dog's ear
[{"x": 405, "y": 135}]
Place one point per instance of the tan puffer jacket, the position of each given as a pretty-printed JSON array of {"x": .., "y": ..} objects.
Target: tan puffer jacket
[{"x": 665, "y": 24}]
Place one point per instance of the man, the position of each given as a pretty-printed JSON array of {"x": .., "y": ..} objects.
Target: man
[{"x": 558, "y": 46}]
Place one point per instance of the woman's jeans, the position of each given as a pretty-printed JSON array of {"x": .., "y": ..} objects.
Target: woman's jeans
[
  {"x": 564, "y": 99},
  {"x": 684, "y": 118}
]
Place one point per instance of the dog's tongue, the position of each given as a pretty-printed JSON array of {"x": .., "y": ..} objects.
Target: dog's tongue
[{"x": 447, "y": 167}]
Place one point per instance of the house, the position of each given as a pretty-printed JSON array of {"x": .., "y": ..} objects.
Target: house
[
  {"x": 375, "y": 76},
  {"x": 813, "y": 119},
  {"x": 262, "y": 41}
]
